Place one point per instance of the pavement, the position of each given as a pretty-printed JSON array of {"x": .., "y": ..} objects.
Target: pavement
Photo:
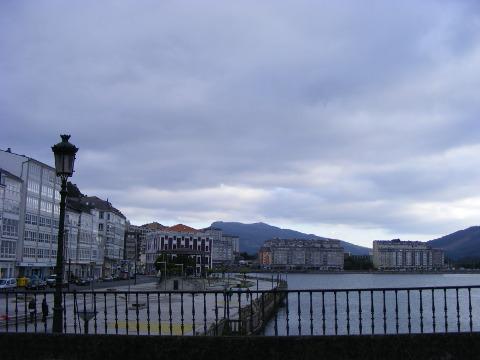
[{"x": 146, "y": 312}]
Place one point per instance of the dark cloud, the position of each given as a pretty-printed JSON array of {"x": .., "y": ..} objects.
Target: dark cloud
[{"x": 348, "y": 118}]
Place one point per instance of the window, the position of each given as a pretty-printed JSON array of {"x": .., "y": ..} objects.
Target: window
[
  {"x": 33, "y": 187},
  {"x": 10, "y": 227},
  {"x": 32, "y": 203},
  {"x": 35, "y": 169},
  {"x": 11, "y": 206},
  {"x": 7, "y": 249},
  {"x": 100, "y": 227},
  {"x": 30, "y": 235},
  {"x": 46, "y": 206},
  {"x": 13, "y": 188},
  {"x": 47, "y": 192},
  {"x": 100, "y": 214},
  {"x": 31, "y": 219},
  {"x": 50, "y": 175},
  {"x": 29, "y": 252}
]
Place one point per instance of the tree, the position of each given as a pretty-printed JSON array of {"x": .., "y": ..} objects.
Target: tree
[
  {"x": 73, "y": 191},
  {"x": 172, "y": 263},
  {"x": 358, "y": 263},
  {"x": 245, "y": 256}
]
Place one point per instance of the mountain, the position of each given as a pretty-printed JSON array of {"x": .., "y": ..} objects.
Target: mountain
[
  {"x": 461, "y": 244},
  {"x": 252, "y": 236}
]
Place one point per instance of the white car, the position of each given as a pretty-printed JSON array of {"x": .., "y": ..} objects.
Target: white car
[
  {"x": 52, "y": 281},
  {"x": 9, "y": 283}
]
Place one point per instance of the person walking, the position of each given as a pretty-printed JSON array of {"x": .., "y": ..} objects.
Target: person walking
[
  {"x": 32, "y": 308},
  {"x": 44, "y": 310}
]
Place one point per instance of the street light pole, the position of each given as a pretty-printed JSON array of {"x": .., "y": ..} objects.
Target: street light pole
[
  {"x": 64, "y": 160},
  {"x": 135, "y": 263}
]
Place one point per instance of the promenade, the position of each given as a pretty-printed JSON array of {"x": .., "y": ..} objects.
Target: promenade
[{"x": 143, "y": 309}]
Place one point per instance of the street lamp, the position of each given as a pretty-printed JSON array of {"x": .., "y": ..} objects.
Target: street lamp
[{"x": 64, "y": 153}]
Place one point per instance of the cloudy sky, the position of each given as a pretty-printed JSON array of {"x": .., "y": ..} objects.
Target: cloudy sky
[{"x": 358, "y": 120}]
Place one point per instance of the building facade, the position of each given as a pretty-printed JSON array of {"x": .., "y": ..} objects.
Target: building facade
[
  {"x": 10, "y": 189},
  {"x": 179, "y": 240},
  {"x": 305, "y": 254},
  {"x": 135, "y": 244},
  {"x": 111, "y": 234},
  {"x": 406, "y": 255},
  {"x": 223, "y": 246},
  {"x": 82, "y": 243},
  {"x": 38, "y": 214}
]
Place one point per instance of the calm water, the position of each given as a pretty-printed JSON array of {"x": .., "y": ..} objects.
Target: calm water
[{"x": 381, "y": 312}]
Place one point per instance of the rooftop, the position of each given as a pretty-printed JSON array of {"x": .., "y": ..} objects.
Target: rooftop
[
  {"x": 9, "y": 174},
  {"x": 181, "y": 228},
  {"x": 100, "y": 204}
]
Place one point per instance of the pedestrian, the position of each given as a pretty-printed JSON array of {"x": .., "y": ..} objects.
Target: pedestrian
[
  {"x": 44, "y": 310},
  {"x": 32, "y": 308}
]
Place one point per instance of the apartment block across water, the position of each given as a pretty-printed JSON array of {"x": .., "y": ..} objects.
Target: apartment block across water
[{"x": 406, "y": 255}]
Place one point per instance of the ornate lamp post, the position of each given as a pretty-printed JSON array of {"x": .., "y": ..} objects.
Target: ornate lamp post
[{"x": 64, "y": 153}]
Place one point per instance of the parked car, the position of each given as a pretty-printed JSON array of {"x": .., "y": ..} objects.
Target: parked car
[
  {"x": 36, "y": 284},
  {"x": 83, "y": 281},
  {"x": 107, "y": 278},
  {"x": 8, "y": 284},
  {"x": 52, "y": 280}
]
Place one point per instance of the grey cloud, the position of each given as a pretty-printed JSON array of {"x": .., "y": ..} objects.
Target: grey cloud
[{"x": 339, "y": 113}]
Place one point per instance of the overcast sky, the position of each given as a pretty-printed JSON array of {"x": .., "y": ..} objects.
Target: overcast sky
[{"x": 357, "y": 120}]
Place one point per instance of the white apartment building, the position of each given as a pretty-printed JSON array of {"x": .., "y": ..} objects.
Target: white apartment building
[
  {"x": 406, "y": 255},
  {"x": 38, "y": 214},
  {"x": 111, "y": 233},
  {"x": 223, "y": 246},
  {"x": 135, "y": 243},
  {"x": 306, "y": 254},
  {"x": 82, "y": 242},
  {"x": 10, "y": 188}
]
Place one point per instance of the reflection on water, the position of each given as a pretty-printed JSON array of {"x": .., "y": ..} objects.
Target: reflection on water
[{"x": 381, "y": 311}]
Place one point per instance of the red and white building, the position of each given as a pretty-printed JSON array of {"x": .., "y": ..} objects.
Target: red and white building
[{"x": 179, "y": 240}]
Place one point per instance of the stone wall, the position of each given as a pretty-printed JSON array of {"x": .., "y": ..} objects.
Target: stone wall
[{"x": 113, "y": 347}]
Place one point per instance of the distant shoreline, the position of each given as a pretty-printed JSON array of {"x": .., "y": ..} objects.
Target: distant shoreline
[{"x": 319, "y": 272}]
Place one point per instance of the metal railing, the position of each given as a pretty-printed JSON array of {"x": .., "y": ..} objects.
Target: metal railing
[{"x": 249, "y": 312}]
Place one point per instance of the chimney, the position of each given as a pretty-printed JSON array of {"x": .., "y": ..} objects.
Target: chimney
[{"x": 9, "y": 150}]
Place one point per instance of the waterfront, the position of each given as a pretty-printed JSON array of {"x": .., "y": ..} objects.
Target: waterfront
[
  {"x": 401, "y": 311},
  {"x": 343, "y": 280}
]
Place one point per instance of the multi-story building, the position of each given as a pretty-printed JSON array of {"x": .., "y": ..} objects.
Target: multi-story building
[
  {"x": 111, "y": 233},
  {"x": 82, "y": 244},
  {"x": 135, "y": 243},
  {"x": 406, "y": 255},
  {"x": 10, "y": 188},
  {"x": 223, "y": 246},
  {"x": 236, "y": 245},
  {"x": 306, "y": 254},
  {"x": 39, "y": 209},
  {"x": 179, "y": 240}
]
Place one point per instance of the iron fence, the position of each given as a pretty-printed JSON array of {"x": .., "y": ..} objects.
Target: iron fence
[{"x": 249, "y": 312}]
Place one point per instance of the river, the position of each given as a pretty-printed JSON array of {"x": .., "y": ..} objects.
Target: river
[{"x": 381, "y": 312}]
